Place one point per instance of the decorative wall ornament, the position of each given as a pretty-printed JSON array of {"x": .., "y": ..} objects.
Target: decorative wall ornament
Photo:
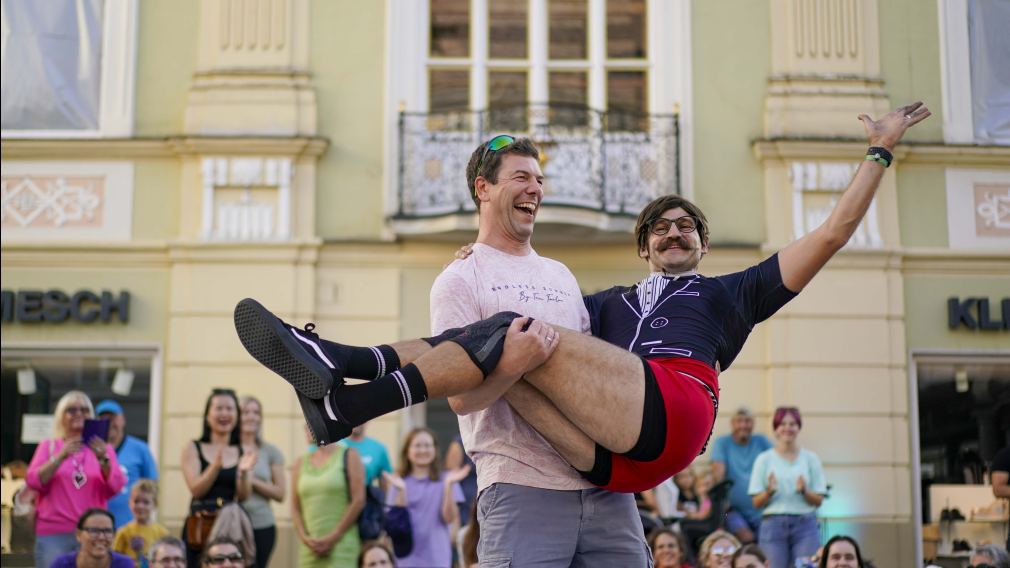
[
  {"x": 66, "y": 201},
  {"x": 817, "y": 186},
  {"x": 992, "y": 210},
  {"x": 978, "y": 209},
  {"x": 246, "y": 199},
  {"x": 52, "y": 201}
]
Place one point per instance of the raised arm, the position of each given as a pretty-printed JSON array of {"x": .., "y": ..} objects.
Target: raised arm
[{"x": 803, "y": 258}]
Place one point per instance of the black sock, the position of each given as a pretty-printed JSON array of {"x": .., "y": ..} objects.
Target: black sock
[
  {"x": 367, "y": 363},
  {"x": 360, "y": 403}
]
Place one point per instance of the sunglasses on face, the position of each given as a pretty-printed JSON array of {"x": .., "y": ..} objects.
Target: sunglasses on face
[
  {"x": 723, "y": 550},
  {"x": 77, "y": 410},
  {"x": 98, "y": 531},
  {"x": 685, "y": 224},
  {"x": 493, "y": 145}
]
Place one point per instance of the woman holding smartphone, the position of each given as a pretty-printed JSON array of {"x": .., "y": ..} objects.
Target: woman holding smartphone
[{"x": 71, "y": 475}]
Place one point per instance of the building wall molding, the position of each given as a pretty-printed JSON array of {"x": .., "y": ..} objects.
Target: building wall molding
[
  {"x": 162, "y": 147},
  {"x": 773, "y": 149}
]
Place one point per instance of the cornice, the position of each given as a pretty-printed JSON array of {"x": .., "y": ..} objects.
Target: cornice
[
  {"x": 914, "y": 153},
  {"x": 161, "y": 147}
]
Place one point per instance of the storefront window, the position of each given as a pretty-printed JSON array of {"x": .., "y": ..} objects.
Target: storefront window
[
  {"x": 964, "y": 419},
  {"x": 32, "y": 382}
]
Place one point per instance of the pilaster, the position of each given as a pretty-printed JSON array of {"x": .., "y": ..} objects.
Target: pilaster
[{"x": 825, "y": 68}]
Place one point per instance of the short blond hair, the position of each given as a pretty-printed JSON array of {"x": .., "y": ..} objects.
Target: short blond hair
[
  {"x": 148, "y": 486},
  {"x": 706, "y": 545},
  {"x": 61, "y": 409}
]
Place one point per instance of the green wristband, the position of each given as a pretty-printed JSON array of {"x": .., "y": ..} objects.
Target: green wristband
[{"x": 878, "y": 159}]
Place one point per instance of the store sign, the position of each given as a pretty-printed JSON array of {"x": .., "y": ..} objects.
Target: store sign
[
  {"x": 56, "y": 306},
  {"x": 976, "y": 313},
  {"x": 36, "y": 427}
]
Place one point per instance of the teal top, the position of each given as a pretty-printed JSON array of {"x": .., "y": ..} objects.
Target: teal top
[{"x": 786, "y": 500}]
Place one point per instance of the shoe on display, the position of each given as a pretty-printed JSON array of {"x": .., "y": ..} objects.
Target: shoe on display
[{"x": 956, "y": 515}]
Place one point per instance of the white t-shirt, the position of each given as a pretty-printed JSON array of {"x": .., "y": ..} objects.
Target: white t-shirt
[{"x": 505, "y": 448}]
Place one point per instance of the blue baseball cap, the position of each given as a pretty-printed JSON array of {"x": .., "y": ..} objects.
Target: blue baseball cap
[{"x": 108, "y": 406}]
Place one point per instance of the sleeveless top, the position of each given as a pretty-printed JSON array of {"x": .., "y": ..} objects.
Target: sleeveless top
[
  {"x": 322, "y": 494},
  {"x": 224, "y": 487}
]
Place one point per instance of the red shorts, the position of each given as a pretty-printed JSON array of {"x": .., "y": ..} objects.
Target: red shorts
[{"x": 689, "y": 390}]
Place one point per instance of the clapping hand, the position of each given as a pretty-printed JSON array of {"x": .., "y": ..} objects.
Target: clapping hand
[
  {"x": 248, "y": 461},
  {"x": 773, "y": 483},
  {"x": 394, "y": 480},
  {"x": 458, "y": 474},
  {"x": 801, "y": 485}
]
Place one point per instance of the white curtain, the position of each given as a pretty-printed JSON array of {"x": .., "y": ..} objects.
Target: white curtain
[
  {"x": 52, "y": 64},
  {"x": 989, "y": 38}
]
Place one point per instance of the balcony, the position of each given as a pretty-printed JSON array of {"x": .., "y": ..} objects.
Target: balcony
[{"x": 601, "y": 168}]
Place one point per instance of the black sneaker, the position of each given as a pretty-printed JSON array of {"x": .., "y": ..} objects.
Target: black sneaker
[
  {"x": 292, "y": 353},
  {"x": 324, "y": 429}
]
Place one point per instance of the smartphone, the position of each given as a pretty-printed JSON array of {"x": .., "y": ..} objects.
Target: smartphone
[{"x": 95, "y": 427}]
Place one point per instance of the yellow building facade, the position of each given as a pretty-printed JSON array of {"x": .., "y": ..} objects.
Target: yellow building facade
[{"x": 310, "y": 154}]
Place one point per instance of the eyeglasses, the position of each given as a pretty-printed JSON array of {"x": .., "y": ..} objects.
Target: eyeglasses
[
  {"x": 723, "y": 550},
  {"x": 77, "y": 410},
  {"x": 685, "y": 224},
  {"x": 493, "y": 145},
  {"x": 171, "y": 561},
  {"x": 98, "y": 531},
  {"x": 222, "y": 559}
]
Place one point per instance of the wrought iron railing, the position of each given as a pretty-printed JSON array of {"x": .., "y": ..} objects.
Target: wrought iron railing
[{"x": 610, "y": 162}]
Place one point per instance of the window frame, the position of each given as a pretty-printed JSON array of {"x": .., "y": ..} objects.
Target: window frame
[
  {"x": 955, "y": 74},
  {"x": 408, "y": 59},
  {"x": 118, "y": 83}
]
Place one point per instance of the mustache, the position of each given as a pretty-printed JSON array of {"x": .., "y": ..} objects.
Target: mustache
[{"x": 677, "y": 241}]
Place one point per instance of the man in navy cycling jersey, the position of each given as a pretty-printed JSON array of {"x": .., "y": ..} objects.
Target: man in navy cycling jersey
[{"x": 626, "y": 412}]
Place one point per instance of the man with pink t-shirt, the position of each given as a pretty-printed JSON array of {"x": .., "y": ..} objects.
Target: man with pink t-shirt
[{"x": 533, "y": 507}]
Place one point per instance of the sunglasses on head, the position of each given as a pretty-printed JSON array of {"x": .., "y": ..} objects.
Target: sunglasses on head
[{"x": 493, "y": 145}]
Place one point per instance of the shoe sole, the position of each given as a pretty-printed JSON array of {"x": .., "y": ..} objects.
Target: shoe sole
[
  {"x": 314, "y": 420},
  {"x": 269, "y": 342}
]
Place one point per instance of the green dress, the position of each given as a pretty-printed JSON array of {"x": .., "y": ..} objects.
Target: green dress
[{"x": 322, "y": 492}]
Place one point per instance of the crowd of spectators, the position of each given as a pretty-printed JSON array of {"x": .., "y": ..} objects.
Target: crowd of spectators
[{"x": 96, "y": 498}]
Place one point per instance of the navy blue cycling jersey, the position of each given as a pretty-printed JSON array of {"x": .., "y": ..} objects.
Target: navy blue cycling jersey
[{"x": 707, "y": 319}]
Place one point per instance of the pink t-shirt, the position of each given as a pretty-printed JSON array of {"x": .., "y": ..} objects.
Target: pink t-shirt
[
  {"x": 505, "y": 448},
  {"x": 60, "y": 502}
]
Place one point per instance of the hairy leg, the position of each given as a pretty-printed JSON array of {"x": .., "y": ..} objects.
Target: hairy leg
[
  {"x": 572, "y": 444},
  {"x": 599, "y": 387}
]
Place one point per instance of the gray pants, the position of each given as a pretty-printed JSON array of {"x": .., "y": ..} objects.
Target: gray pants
[{"x": 525, "y": 526}]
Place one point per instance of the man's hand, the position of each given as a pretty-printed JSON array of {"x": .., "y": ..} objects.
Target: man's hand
[
  {"x": 463, "y": 252},
  {"x": 889, "y": 129},
  {"x": 527, "y": 350}
]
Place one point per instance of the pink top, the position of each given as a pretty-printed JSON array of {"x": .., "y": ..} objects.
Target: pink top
[
  {"x": 60, "y": 501},
  {"x": 505, "y": 447}
]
